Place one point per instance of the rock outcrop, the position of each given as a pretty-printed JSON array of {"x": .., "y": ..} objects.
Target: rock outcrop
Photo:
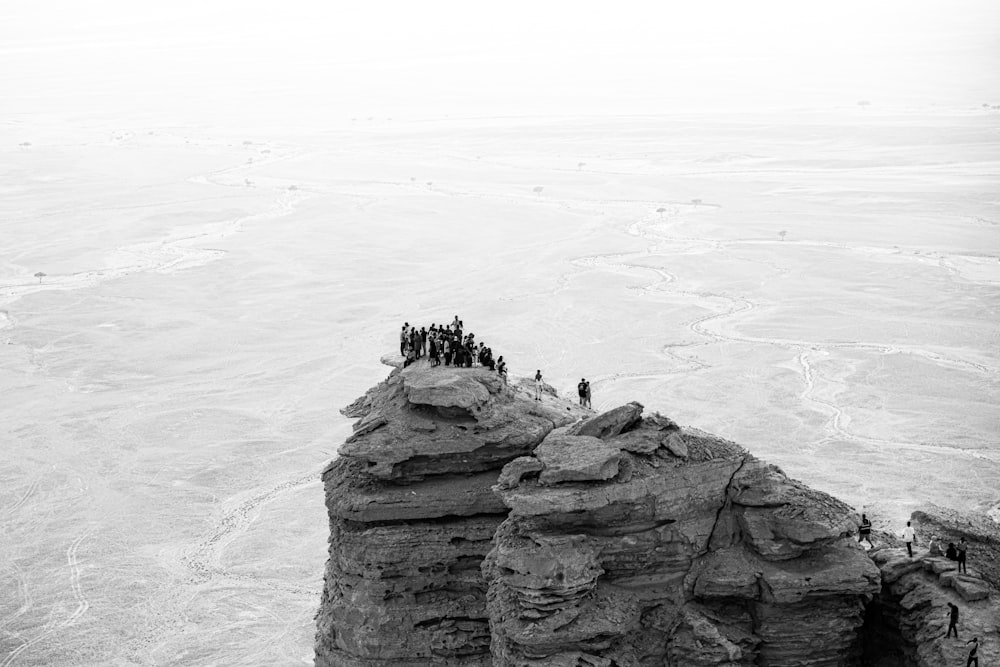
[
  {"x": 682, "y": 550},
  {"x": 412, "y": 515},
  {"x": 907, "y": 621},
  {"x": 473, "y": 525}
]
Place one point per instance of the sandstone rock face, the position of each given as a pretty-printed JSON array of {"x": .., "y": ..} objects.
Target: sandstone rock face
[
  {"x": 412, "y": 515},
  {"x": 695, "y": 553},
  {"x": 907, "y": 621},
  {"x": 473, "y": 525}
]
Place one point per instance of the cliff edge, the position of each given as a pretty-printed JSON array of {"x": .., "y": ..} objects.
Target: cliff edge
[{"x": 471, "y": 524}]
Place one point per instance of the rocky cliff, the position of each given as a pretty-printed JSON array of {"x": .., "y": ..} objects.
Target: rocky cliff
[
  {"x": 473, "y": 525},
  {"x": 907, "y": 621}
]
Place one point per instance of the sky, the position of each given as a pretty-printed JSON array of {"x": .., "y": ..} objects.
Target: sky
[{"x": 431, "y": 59}]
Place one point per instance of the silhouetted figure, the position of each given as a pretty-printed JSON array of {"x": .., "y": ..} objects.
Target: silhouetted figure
[
  {"x": 865, "y": 531},
  {"x": 581, "y": 389},
  {"x": 435, "y": 354},
  {"x": 953, "y": 621},
  {"x": 908, "y": 536},
  {"x": 538, "y": 385},
  {"x": 974, "y": 653},
  {"x": 962, "y": 546},
  {"x": 403, "y": 337},
  {"x": 502, "y": 369},
  {"x": 951, "y": 553},
  {"x": 588, "y": 394}
]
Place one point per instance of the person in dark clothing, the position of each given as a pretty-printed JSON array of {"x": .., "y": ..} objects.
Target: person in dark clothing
[
  {"x": 974, "y": 653},
  {"x": 953, "y": 622},
  {"x": 951, "y": 553},
  {"x": 581, "y": 389},
  {"x": 433, "y": 349},
  {"x": 502, "y": 369},
  {"x": 962, "y": 546},
  {"x": 865, "y": 531}
]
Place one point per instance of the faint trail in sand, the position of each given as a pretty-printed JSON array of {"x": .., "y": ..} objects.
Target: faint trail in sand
[
  {"x": 28, "y": 492},
  {"x": 51, "y": 627},
  {"x": 203, "y": 561},
  {"x": 839, "y": 422}
]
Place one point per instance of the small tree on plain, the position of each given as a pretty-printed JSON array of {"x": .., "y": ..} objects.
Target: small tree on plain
[
  {"x": 782, "y": 234},
  {"x": 864, "y": 104},
  {"x": 696, "y": 202},
  {"x": 661, "y": 211},
  {"x": 39, "y": 275},
  {"x": 537, "y": 189}
]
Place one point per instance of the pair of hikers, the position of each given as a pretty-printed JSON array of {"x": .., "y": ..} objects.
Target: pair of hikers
[
  {"x": 583, "y": 389},
  {"x": 958, "y": 552},
  {"x": 973, "y": 658}
]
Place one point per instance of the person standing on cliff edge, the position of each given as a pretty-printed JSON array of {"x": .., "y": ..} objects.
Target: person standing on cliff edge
[
  {"x": 908, "y": 536},
  {"x": 962, "y": 547},
  {"x": 953, "y": 622},
  {"x": 538, "y": 385},
  {"x": 865, "y": 531}
]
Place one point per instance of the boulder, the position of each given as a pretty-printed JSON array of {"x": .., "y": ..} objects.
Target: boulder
[
  {"x": 515, "y": 471},
  {"x": 568, "y": 458},
  {"x": 610, "y": 423}
]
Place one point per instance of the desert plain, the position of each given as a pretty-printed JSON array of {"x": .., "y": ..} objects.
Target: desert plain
[{"x": 822, "y": 287}]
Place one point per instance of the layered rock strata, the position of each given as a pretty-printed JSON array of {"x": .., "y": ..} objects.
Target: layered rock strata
[
  {"x": 412, "y": 515},
  {"x": 473, "y": 525},
  {"x": 633, "y": 542}
]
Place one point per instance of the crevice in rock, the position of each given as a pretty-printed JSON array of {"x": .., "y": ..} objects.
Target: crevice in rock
[
  {"x": 447, "y": 519},
  {"x": 726, "y": 503}
]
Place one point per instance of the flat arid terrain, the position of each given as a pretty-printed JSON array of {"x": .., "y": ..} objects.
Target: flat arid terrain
[{"x": 822, "y": 288}]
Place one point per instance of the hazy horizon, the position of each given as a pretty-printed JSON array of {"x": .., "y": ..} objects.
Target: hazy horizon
[{"x": 307, "y": 62}]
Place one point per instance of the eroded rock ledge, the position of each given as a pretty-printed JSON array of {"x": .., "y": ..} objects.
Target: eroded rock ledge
[{"x": 473, "y": 525}]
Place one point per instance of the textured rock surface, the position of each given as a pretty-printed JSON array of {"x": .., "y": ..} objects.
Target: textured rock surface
[
  {"x": 694, "y": 553},
  {"x": 472, "y": 525},
  {"x": 907, "y": 621},
  {"x": 412, "y": 515}
]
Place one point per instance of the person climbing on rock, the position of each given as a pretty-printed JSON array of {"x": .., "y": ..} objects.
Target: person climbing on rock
[
  {"x": 962, "y": 547},
  {"x": 908, "y": 536},
  {"x": 865, "y": 531},
  {"x": 953, "y": 620},
  {"x": 538, "y": 385},
  {"x": 502, "y": 369},
  {"x": 974, "y": 653},
  {"x": 581, "y": 389}
]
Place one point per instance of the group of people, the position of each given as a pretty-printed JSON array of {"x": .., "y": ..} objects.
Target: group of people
[
  {"x": 955, "y": 552},
  {"x": 450, "y": 344}
]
